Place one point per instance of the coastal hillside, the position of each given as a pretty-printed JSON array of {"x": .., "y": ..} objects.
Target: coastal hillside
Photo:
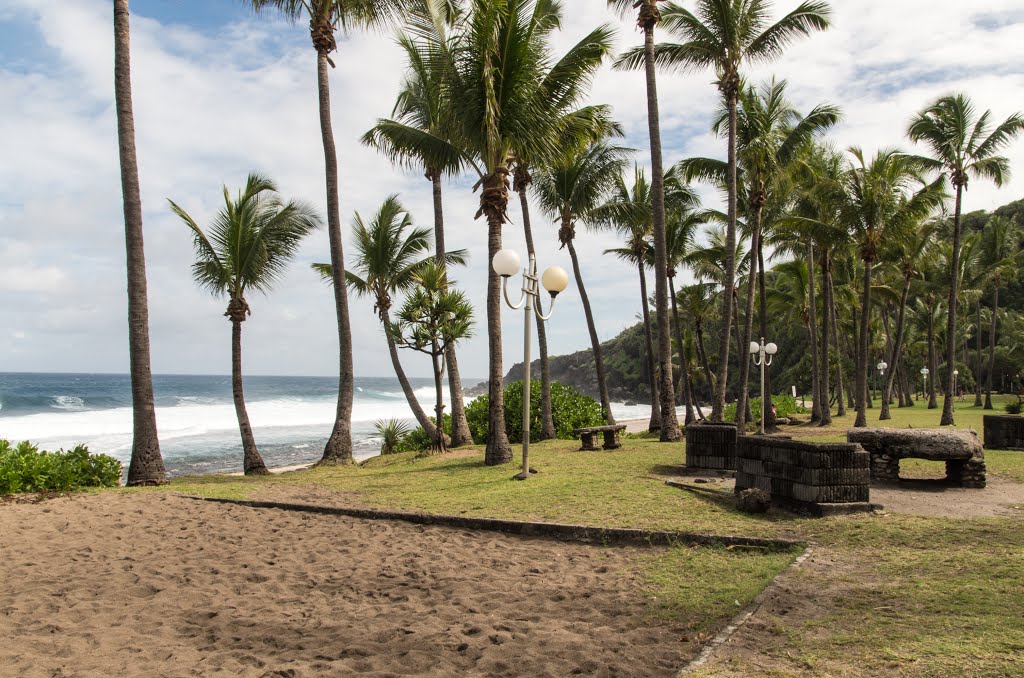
[{"x": 624, "y": 363}]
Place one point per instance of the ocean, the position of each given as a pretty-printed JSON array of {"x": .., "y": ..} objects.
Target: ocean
[{"x": 291, "y": 416}]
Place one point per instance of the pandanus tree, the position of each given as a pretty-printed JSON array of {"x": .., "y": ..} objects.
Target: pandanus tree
[
  {"x": 569, "y": 190},
  {"x": 326, "y": 17},
  {"x": 724, "y": 35},
  {"x": 883, "y": 202},
  {"x": 1002, "y": 255},
  {"x": 247, "y": 247},
  {"x": 416, "y": 136},
  {"x": 771, "y": 136},
  {"x": 390, "y": 252},
  {"x": 505, "y": 101},
  {"x": 147, "y": 465},
  {"x": 433, "y": 318},
  {"x": 963, "y": 145}
]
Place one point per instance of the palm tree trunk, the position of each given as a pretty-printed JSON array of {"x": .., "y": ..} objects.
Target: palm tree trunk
[
  {"x": 978, "y": 360},
  {"x": 147, "y": 464},
  {"x": 410, "y": 394},
  {"x": 762, "y": 297},
  {"x": 602, "y": 379},
  {"x": 932, "y": 366},
  {"x": 252, "y": 462},
  {"x": 652, "y": 373},
  {"x": 740, "y": 354},
  {"x": 718, "y": 405},
  {"x": 819, "y": 400},
  {"x": 897, "y": 350},
  {"x": 702, "y": 355},
  {"x": 460, "y": 427},
  {"x": 743, "y": 398},
  {"x": 840, "y": 403},
  {"x": 339, "y": 445},
  {"x": 992, "y": 347},
  {"x": 669, "y": 421},
  {"x": 438, "y": 436},
  {"x": 954, "y": 282},
  {"x": 547, "y": 421},
  {"x": 684, "y": 377},
  {"x": 823, "y": 374},
  {"x": 862, "y": 349},
  {"x": 498, "y": 450}
]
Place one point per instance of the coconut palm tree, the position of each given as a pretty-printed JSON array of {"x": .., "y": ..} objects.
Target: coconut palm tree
[
  {"x": 325, "y": 18},
  {"x": 697, "y": 302},
  {"x": 648, "y": 16},
  {"x": 628, "y": 211},
  {"x": 964, "y": 146},
  {"x": 1002, "y": 254},
  {"x": 390, "y": 252},
  {"x": 877, "y": 210},
  {"x": 247, "y": 247},
  {"x": 433, "y": 317},
  {"x": 147, "y": 465},
  {"x": 416, "y": 136},
  {"x": 569, "y": 190},
  {"x": 503, "y": 89},
  {"x": 725, "y": 35}
]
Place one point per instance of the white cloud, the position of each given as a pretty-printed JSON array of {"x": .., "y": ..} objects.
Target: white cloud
[{"x": 212, "y": 104}]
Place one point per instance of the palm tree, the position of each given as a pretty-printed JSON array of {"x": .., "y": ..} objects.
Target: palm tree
[
  {"x": 147, "y": 465},
  {"x": 502, "y": 88},
  {"x": 629, "y": 212},
  {"x": 569, "y": 190},
  {"x": 697, "y": 302},
  {"x": 390, "y": 252},
  {"x": 325, "y": 18},
  {"x": 416, "y": 136},
  {"x": 433, "y": 317},
  {"x": 962, "y": 146},
  {"x": 647, "y": 19},
  {"x": 877, "y": 210},
  {"x": 1001, "y": 246},
  {"x": 725, "y": 35},
  {"x": 247, "y": 247}
]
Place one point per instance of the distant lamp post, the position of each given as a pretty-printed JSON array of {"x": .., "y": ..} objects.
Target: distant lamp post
[
  {"x": 956, "y": 373},
  {"x": 924, "y": 382},
  {"x": 762, "y": 354},
  {"x": 882, "y": 366},
  {"x": 554, "y": 280}
]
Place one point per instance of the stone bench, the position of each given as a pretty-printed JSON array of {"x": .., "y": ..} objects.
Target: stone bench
[
  {"x": 1004, "y": 432},
  {"x": 961, "y": 450},
  {"x": 611, "y": 437}
]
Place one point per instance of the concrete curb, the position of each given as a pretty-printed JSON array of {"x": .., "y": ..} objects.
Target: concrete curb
[
  {"x": 561, "y": 532},
  {"x": 740, "y": 619}
]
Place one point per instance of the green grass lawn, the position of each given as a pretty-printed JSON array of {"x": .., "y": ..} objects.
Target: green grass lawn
[{"x": 928, "y": 596}]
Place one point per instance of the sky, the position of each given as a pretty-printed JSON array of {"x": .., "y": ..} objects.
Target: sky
[{"x": 219, "y": 92}]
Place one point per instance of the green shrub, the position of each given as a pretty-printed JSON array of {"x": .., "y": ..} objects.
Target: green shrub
[
  {"x": 393, "y": 433},
  {"x": 1014, "y": 408},
  {"x": 417, "y": 439},
  {"x": 570, "y": 410},
  {"x": 785, "y": 406},
  {"x": 26, "y": 468}
]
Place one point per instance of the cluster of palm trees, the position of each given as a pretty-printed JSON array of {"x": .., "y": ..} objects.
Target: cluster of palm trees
[{"x": 485, "y": 93}]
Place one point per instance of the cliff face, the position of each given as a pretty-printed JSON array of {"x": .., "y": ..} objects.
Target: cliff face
[{"x": 625, "y": 364}]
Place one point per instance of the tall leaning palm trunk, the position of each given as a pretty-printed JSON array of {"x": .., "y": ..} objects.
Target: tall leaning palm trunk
[
  {"x": 654, "y": 424},
  {"x": 819, "y": 400},
  {"x": 252, "y": 461},
  {"x": 743, "y": 399},
  {"x": 897, "y": 345},
  {"x": 147, "y": 465}
]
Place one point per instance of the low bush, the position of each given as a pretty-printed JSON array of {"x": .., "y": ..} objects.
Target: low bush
[
  {"x": 1014, "y": 408},
  {"x": 785, "y": 406},
  {"x": 26, "y": 468},
  {"x": 570, "y": 410},
  {"x": 418, "y": 440}
]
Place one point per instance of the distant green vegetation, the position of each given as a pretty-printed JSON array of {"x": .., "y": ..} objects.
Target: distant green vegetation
[
  {"x": 570, "y": 410},
  {"x": 26, "y": 468}
]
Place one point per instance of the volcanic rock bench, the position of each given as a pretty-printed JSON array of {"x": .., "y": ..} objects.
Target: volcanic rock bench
[
  {"x": 1004, "y": 432},
  {"x": 961, "y": 450},
  {"x": 817, "y": 478},
  {"x": 611, "y": 437}
]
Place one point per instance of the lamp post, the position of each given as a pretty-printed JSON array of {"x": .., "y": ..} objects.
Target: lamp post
[
  {"x": 924, "y": 383},
  {"x": 882, "y": 365},
  {"x": 762, "y": 354},
  {"x": 554, "y": 280},
  {"x": 956, "y": 373}
]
